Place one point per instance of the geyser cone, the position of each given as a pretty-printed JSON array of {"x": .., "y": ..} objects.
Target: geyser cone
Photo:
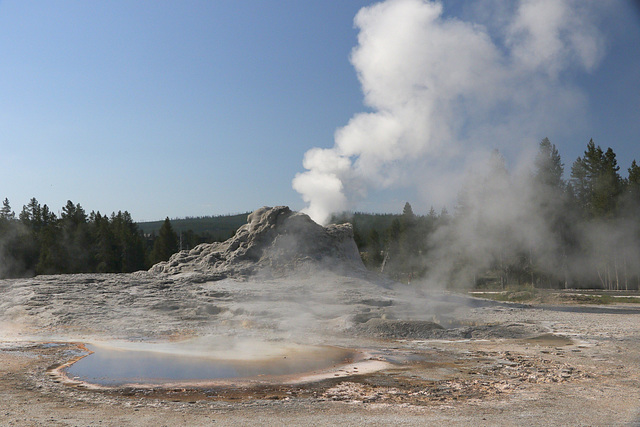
[{"x": 276, "y": 241}]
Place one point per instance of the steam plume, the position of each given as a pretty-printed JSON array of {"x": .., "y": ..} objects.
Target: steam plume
[{"x": 442, "y": 91}]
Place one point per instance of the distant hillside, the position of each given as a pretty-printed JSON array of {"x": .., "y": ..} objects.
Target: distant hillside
[
  {"x": 368, "y": 221},
  {"x": 218, "y": 227},
  {"x": 363, "y": 222},
  {"x": 222, "y": 227}
]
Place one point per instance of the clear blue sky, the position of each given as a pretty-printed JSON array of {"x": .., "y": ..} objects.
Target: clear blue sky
[{"x": 190, "y": 108}]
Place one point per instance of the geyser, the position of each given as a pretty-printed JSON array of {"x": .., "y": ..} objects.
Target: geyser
[
  {"x": 278, "y": 294},
  {"x": 441, "y": 92}
]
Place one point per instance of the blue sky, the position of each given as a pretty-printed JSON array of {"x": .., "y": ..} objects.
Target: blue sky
[{"x": 208, "y": 107}]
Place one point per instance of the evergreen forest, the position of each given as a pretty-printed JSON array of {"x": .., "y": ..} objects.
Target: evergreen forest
[
  {"x": 37, "y": 241},
  {"x": 532, "y": 228}
]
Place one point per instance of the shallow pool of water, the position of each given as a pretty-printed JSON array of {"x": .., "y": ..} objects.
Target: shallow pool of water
[{"x": 109, "y": 366}]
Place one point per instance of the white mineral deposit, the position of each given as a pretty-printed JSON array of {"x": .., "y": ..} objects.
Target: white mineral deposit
[{"x": 283, "y": 324}]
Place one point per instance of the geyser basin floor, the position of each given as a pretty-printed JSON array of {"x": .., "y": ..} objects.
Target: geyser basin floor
[
  {"x": 113, "y": 367},
  {"x": 493, "y": 381}
]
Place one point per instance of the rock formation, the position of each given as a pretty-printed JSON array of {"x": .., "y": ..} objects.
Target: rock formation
[{"x": 275, "y": 241}]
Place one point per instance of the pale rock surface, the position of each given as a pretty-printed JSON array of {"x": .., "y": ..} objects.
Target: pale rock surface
[
  {"x": 282, "y": 276},
  {"x": 275, "y": 241},
  {"x": 495, "y": 364}
]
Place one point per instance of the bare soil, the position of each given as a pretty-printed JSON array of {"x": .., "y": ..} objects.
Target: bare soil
[
  {"x": 518, "y": 365},
  {"x": 432, "y": 358}
]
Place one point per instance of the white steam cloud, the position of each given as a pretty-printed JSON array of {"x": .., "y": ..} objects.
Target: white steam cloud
[{"x": 441, "y": 91}]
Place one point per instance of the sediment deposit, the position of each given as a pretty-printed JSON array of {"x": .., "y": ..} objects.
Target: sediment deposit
[{"x": 283, "y": 280}]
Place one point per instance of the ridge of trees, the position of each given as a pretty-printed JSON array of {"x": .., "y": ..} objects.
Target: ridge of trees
[
  {"x": 37, "y": 241},
  {"x": 197, "y": 229}
]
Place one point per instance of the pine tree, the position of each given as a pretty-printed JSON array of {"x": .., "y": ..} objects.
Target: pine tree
[
  {"x": 31, "y": 215},
  {"x": 432, "y": 214},
  {"x": 633, "y": 183},
  {"x": 552, "y": 197},
  {"x": 166, "y": 244},
  {"x": 129, "y": 241},
  {"x": 608, "y": 185},
  {"x": 374, "y": 248},
  {"x": 6, "y": 213},
  {"x": 634, "y": 174},
  {"x": 107, "y": 254},
  {"x": 630, "y": 197},
  {"x": 407, "y": 213},
  {"x": 595, "y": 181},
  {"x": 73, "y": 214},
  {"x": 53, "y": 256},
  {"x": 548, "y": 166}
]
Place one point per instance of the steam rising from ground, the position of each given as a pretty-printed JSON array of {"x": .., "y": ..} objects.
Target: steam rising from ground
[
  {"x": 443, "y": 92},
  {"x": 528, "y": 232}
]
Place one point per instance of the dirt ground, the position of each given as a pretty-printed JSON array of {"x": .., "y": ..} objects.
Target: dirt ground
[{"x": 502, "y": 365}]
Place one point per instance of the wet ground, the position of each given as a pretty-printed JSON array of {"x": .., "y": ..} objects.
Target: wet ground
[
  {"x": 583, "y": 370},
  {"x": 418, "y": 358},
  {"x": 414, "y": 372}
]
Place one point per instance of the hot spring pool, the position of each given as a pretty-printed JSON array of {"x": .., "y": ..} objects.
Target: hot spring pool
[{"x": 111, "y": 366}]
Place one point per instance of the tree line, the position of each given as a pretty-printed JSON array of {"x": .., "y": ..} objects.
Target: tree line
[
  {"x": 533, "y": 228},
  {"x": 37, "y": 241},
  {"x": 204, "y": 228}
]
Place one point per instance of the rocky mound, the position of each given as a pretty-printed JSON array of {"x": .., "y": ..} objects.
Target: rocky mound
[
  {"x": 424, "y": 329},
  {"x": 406, "y": 329},
  {"x": 275, "y": 241}
]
